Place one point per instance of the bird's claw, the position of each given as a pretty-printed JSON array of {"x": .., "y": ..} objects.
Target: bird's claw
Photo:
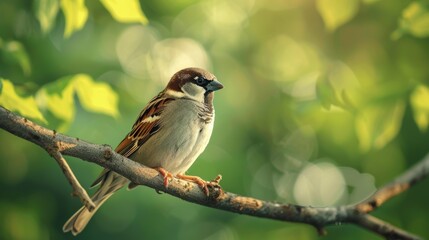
[
  {"x": 165, "y": 174},
  {"x": 204, "y": 185}
]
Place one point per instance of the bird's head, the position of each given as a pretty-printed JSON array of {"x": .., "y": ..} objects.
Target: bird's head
[{"x": 194, "y": 83}]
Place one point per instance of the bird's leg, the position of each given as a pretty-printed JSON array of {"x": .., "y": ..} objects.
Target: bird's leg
[
  {"x": 203, "y": 184},
  {"x": 165, "y": 174}
]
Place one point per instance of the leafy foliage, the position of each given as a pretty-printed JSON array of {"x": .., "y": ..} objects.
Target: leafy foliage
[
  {"x": 76, "y": 15},
  {"x": 337, "y": 12},
  {"x": 378, "y": 124},
  {"x": 58, "y": 97},
  {"x": 26, "y": 106},
  {"x": 125, "y": 10},
  {"x": 339, "y": 87},
  {"x": 46, "y": 12},
  {"x": 420, "y": 103},
  {"x": 415, "y": 20},
  {"x": 95, "y": 97},
  {"x": 13, "y": 51}
]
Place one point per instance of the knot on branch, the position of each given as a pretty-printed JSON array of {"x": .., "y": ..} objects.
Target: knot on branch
[
  {"x": 216, "y": 192},
  {"x": 247, "y": 203},
  {"x": 107, "y": 152},
  {"x": 53, "y": 149}
]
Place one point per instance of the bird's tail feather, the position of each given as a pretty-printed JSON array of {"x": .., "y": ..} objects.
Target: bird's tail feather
[{"x": 110, "y": 184}]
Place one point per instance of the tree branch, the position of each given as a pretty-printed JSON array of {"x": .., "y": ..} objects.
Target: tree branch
[{"x": 103, "y": 155}]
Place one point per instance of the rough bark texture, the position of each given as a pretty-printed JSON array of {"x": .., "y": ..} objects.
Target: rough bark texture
[{"x": 59, "y": 144}]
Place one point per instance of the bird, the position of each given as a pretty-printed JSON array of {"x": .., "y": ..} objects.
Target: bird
[{"x": 169, "y": 134}]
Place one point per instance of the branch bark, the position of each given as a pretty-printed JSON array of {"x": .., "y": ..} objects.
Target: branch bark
[{"x": 103, "y": 155}]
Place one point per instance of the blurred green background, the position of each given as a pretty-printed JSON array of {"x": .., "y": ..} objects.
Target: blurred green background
[{"x": 324, "y": 101}]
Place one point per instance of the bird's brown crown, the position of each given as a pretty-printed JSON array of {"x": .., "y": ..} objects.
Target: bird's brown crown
[{"x": 186, "y": 75}]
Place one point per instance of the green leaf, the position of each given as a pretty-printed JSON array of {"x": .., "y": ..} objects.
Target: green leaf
[
  {"x": 75, "y": 13},
  {"x": 125, "y": 10},
  {"x": 46, "y": 12},
  {"x": 96, "y": 96},
  {"x": 377, "y": 125},
  {"x": 58, "y": 97},
  {"x": 338, "y": 86},
  {"x": 26, "y": 106},
  {"x": 325, "y": 92},
  {"x": 15, "y": 52},
  {"x": 337, "y": 12},
  {"x": 415, "y": 21},
  {"x": 419, "y": 100}
]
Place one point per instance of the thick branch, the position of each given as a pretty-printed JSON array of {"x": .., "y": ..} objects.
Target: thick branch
[{"x": 103, "y": 155}]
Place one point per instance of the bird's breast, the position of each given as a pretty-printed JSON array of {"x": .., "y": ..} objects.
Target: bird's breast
[{"x": 184, "y": 133}]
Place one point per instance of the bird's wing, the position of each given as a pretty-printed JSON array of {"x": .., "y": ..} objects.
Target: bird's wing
[{"x": 146, "y": 125}]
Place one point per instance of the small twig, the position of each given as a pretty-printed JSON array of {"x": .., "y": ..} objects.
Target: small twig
[
  {"x": 78, "y": 190},
  {"x": 385, "y": 229},
  {"x": 400, "y": 184}
]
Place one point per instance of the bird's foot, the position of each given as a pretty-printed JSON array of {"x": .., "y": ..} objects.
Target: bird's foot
[
  {"x": 165, "y": 174},
  {"x": 202, "y": 183}
]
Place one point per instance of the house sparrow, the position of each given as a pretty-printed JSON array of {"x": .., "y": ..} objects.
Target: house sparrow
[{"x": 169, "y": 134}]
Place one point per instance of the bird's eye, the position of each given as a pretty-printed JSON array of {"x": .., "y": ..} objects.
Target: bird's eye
[{"x": 200, "y": 81}]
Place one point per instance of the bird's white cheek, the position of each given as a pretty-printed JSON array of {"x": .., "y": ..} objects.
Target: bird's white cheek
[{"x": 194, "y": 92}]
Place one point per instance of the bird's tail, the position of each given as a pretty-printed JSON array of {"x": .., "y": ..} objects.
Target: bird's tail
[{"x": 110, "y": 183}]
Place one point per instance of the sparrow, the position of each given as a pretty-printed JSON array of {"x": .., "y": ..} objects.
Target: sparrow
[{"x": 168, "y": 135}]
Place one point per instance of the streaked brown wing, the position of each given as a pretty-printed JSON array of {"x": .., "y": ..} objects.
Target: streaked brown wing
[{"x": 146, "y": 125}]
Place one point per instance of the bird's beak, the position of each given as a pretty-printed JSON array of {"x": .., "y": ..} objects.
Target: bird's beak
[{"x": 213, "y": 86}]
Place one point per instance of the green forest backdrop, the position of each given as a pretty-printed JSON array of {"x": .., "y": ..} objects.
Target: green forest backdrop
[{"x": 324, "y": 101}]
